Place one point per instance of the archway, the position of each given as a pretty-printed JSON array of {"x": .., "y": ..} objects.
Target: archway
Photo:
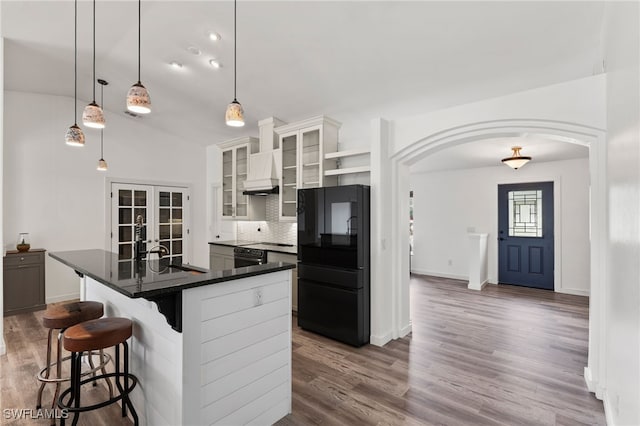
[{"x": 392, "y": 184}]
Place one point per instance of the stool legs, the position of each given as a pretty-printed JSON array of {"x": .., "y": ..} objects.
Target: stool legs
[
  {"x": 39, "y": 402},
  {"x": 123, "y": 387}
]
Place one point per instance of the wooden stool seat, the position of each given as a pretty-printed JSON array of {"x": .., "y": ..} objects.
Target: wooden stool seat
[
  {"x": 97, "y": 334},
  {"x": 59, "y": 317},
  {"x": 69, "y": 314}
]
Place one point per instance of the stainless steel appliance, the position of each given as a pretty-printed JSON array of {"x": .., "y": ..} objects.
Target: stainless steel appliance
[
  {"x": 244, "y": 256},
  {"x": 333, "y": 262}
]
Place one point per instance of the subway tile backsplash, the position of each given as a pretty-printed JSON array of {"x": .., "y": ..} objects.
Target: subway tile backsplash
[{"x": 270, "y": 230}]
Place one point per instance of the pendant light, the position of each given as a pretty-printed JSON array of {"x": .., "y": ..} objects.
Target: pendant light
[
  {"x": 93, "y": 116},
  {"x": 516, "y": 160},
  {"x": 74, "y": 135},
  {"x": 138, "y": 99},
  {"x": 235, "y": 114},
  {"x": 102, "y": 165}
]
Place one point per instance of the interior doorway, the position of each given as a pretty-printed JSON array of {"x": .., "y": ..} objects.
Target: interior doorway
[{"x": 526, "y": 235}]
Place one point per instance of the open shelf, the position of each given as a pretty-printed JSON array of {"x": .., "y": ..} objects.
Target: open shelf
[
  {"x": 348, "y": 170},
  {"x": 289, "y": 167},
  {"x": 347, "y": 153}
]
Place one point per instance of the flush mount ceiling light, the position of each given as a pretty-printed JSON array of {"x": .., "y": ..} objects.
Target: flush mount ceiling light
[
  {"x": 516, "y": 160},
  {"x": 74, "y": 135},
  {"x": 214, "y": 63},
  {"x": 214, "y": 36},
  {"x": 138, "y": 99},
  {"x": 175, "y": 64},
  {"x": 102, "y": 165},
  {"x": 92, "y": 116},
  {"x": 234, "y": 116}
]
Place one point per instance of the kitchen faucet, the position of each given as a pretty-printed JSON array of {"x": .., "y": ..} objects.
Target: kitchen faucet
[{"x": 140, "y": 252}]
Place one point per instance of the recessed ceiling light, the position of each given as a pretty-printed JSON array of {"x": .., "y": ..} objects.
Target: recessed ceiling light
[
  {"x": 214, "y": 36},
  {"x": 175, "y": 64},
  {"x": 214, "y": 63},
  {"x": 193, "y": 50}
]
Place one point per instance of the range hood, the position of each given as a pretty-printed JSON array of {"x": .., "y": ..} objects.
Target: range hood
[{"x": 262, "y": 178}]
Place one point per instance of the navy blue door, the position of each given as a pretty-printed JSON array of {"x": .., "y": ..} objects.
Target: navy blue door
[{"x": 525, "y": 234}]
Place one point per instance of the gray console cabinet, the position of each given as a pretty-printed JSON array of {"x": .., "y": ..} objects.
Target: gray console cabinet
[{"x": 24, "y": 281}]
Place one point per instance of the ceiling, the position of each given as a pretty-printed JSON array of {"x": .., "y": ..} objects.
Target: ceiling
[
  {"x": 351, "y": 60},
  {"x": 489, "y": 152}
]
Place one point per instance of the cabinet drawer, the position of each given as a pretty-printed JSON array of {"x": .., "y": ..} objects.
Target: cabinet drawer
[
  {"x": 221, "y": 250},
  {"x": 23, "y": 259}
]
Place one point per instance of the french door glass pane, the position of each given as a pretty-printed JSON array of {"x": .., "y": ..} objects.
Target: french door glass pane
[
  {"x": 140, "y": 198},
  {"x": 124, "y": 197},
  {"x": 165, "y": 200}
]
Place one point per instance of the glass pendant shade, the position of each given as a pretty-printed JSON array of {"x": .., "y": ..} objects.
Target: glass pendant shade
[
  {"x": 74, "y": 136},
  {"x": 102, "y": 165},
  {"x": 92, "y": 116},
  {"x": 234, "y": 116},
  {"x": 516, "y": 160},
  {"x": 138, "y": 99}
]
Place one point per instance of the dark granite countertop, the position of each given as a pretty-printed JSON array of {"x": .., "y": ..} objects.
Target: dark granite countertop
[
  {"x": 286, "y": 249},
  {"x": 152, "y": 278},
  {"x": 233, "y": 243}
]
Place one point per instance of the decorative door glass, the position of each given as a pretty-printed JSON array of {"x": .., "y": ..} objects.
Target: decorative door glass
[
  {"x": 525, "y": 213},
  {"x": 129, "y": 202},
  {"x": 310, "y": 152},
  {"x": 289, "y": 175},
  {"x": 227, "y": 183},
  {"x": 242, "y": 164},
  {"x": 171, "y": 231}
]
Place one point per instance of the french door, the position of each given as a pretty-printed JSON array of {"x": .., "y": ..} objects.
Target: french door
[{"x": 164, "y": 213}]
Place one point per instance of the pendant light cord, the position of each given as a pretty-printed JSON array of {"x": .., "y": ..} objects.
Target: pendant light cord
[
  {"x": 235, "y": 49},
  {"x": 75, "y": 63},
  {"x": 94, "y": 51},
  {"x": 139, "y": 21},
  {"x": 101, "y": 130}
]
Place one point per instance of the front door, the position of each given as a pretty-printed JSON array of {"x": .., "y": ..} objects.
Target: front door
[{"x": 525, "y": 234}]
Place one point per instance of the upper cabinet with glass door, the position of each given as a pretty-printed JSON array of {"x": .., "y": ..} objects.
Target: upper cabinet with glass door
[
  {"x": 235, "y": 169},
  {"x": 302, "y": 148}
]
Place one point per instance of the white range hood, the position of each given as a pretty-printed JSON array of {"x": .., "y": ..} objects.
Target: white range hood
[{"x": 262, "y": 178}]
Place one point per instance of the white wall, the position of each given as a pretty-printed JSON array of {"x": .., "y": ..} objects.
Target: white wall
[
  {"x": 622, "y": 365},
  {"x": 54, "y": 192},
  {"x": 3, "y": 348},
  {"x": 447, "y": 203}
]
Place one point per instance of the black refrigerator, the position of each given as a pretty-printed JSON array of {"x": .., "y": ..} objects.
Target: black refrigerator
[{"x": 333, "y": 262}]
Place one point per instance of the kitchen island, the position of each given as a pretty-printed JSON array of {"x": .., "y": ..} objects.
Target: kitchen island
[{"x": 208, "y": 347}]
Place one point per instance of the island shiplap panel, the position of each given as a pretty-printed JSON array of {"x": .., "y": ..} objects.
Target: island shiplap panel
[
  {"x": 243, "y": 367},
  {"x": 155, "y": 354}
]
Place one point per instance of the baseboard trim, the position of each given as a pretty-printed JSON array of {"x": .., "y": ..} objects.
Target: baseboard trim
[
  {"x": 3, "y": 347},
  {"x": 440, "y": 274},
  {"x": 63, "y": 298},
  {"x": 477, "y": 287},
  {"x": 588, "y": 379},
  {"x": 608, "y": 410},
  {"x": 573, "y": 291},
  {"x": 405, "y": 330},
  {"x": 380, "y": 340}
]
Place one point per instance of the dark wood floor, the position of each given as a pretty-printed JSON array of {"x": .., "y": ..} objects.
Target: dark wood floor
[{"x": 506, "y": 355}]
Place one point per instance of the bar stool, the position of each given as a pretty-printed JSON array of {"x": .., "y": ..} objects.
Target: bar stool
[
  {"x": 61, "y": 317},
  {"x": 95, "y": 335}
]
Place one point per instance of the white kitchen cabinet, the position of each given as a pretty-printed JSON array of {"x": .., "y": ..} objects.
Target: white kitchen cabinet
[
  {"x": 235, "y": 168},
  {"x": 289, "y": 258},
  {"x": 303, "y": 146},
  {"x": 220, "y": 257}
]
